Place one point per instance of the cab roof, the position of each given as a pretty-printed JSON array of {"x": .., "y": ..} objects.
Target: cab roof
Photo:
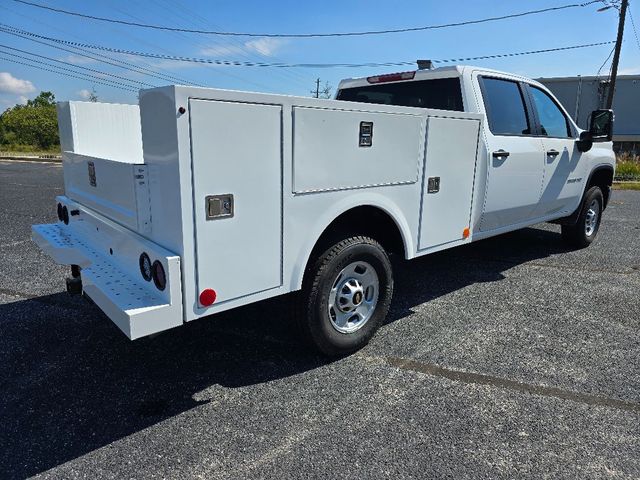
[{"x": 440, "y": 72}]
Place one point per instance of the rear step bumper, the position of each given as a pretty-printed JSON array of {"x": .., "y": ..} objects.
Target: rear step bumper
[{"x": 109, "y": 256}]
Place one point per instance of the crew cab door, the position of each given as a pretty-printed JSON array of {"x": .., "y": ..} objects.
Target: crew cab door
[
  {"x": 563, "y": 178},
  {"x": 515, "y": 156}
]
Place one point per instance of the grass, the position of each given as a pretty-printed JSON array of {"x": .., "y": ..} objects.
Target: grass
[
  {"x": 626, "y": 185},
  {"x": 27, "y": 150},
  {"x": 30, "y": 154},
  {"x": 627, "y": 167}
]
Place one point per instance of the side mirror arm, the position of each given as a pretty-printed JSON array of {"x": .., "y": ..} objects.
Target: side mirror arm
[{"x": 585, "y": 141}]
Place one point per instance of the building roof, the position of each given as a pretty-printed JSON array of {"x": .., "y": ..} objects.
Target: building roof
[{"x": 586, "y": 78}]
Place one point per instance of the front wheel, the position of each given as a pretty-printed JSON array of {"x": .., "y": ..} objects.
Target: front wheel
[
  {"x": 583, "y": 233},
  {"x": 346, "y": 296}
]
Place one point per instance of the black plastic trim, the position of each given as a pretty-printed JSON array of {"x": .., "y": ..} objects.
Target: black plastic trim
[{"x": 573, "y": 218}]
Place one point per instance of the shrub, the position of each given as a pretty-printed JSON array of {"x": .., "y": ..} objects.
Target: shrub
[{"x": 627, "y": 167}]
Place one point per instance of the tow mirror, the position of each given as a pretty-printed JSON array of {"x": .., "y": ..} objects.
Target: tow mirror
[
  {"x": 600, "y": 130},
  {"x": 601, "y": 125}
]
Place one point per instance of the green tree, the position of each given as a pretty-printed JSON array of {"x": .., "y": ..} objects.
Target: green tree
[{"x": 35, "y": 123}]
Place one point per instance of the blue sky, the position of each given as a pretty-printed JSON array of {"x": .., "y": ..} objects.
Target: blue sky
[{"x": 548, "y": 30}]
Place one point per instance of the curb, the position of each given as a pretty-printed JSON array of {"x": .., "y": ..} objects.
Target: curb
[{"x": 32, "y": 159}]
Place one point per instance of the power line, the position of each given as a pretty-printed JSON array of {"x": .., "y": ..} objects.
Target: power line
[
  {"x": 306, "y": 65},
  {"x": 34, "y": 37},
  {"x": 296, "y": 65},
  {"x": 176, "y": 9},
  {"x": 27, "y": 35},
  {"x": 305, "y": 35},
  {"x": 81, "y": 67},
  {"x": 99, "y": 57},
  {"x": 131, "y": 34},
  {"x": 88, "y": 75},
  {"x": 39, "y": 67},
  {"x": 633, "y": 25},
  {"x": 138, "y": 68},
  {"x": 247, "y": 49},
  {"x": 518, "y": 54},
  {"x": 605, "y": 61},
  {"x": 134, "y": 33}
]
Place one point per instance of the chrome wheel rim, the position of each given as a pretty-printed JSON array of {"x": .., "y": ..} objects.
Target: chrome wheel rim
[
  {"x": 591, "y": 220},
  {"x": 353, "y": 297}
]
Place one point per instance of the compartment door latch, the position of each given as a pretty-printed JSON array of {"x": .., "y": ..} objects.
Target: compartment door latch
[
  {"x": 219, "y": 206},
  {"x": 366, "y": 134},
  {"x": 433, "y": 184}
]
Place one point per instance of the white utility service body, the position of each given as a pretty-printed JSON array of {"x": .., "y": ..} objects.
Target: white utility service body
[{"x": 230, "y": 191}]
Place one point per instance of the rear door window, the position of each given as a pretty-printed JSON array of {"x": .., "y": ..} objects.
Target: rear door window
[
  {"x": 553, "y": 122},
  {"x": 441, "y": 93},
  {"x": 505, "y": 106}
]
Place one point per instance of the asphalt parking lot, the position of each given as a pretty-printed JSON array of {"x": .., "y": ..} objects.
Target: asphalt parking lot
[{"x": 509, "y": 358}]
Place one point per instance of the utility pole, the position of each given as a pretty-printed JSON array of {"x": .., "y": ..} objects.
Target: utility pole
[
  {"x": 616, "y": 54},
  {"x": 318, "y": 88}
]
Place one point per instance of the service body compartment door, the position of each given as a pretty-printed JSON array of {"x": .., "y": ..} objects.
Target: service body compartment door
[
  {"x": 450, "y": 164},
  {"x": 330, "y": 151},
  {"x": 237, "y": 183}
]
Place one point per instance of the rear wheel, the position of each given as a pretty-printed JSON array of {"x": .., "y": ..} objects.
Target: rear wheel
[
  {"x": 584, "y": 232},
  {"x": 346, "y": 296}
]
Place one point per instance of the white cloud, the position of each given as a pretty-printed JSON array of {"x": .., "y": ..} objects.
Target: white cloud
[
  {"x": 629, "y": 71},
  {"x": 84, "y": 94},
  {"x": 11, "y": 84},
  {"x": 263, "y": 46},
  {"x": 222, "y": 50},
  {"x": 78, "y": 59},
  {"x": 22, "y": 100},
  {"x": 173, "y": 64}
]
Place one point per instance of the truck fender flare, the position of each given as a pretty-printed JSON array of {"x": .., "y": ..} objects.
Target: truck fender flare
[
  {"x": 573, "y": 218},
  {"x": 597, "y": 169}
]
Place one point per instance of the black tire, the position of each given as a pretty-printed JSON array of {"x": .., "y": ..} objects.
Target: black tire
[
  {"x": 314, "y": 314},
  {"x": 584, "y": 232}
]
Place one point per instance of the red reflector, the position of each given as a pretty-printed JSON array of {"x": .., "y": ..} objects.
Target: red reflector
[
  {"x": 207, "y": 297},
  {"x": 392, "y": 77}
]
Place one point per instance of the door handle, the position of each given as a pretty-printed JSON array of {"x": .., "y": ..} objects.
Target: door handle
[
  {"x": 500, "y": 154},
  {"x": 552, "y": 153}
]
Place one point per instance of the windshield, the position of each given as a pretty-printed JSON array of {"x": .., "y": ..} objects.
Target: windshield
[{"x": 441, "y": 93}]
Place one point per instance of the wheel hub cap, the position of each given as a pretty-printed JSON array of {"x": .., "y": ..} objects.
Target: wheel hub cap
[
  {"x": 349, "y": 295},
  {"x": 353, "y": 297}
]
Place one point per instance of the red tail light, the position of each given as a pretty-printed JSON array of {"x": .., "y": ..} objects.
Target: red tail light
[
  {"x": 392, "y": 77},
  {"x": 207, "y": 297}
]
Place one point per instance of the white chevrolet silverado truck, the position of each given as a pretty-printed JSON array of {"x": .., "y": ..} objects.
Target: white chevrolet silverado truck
[{"x": 202, "y": 200}]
